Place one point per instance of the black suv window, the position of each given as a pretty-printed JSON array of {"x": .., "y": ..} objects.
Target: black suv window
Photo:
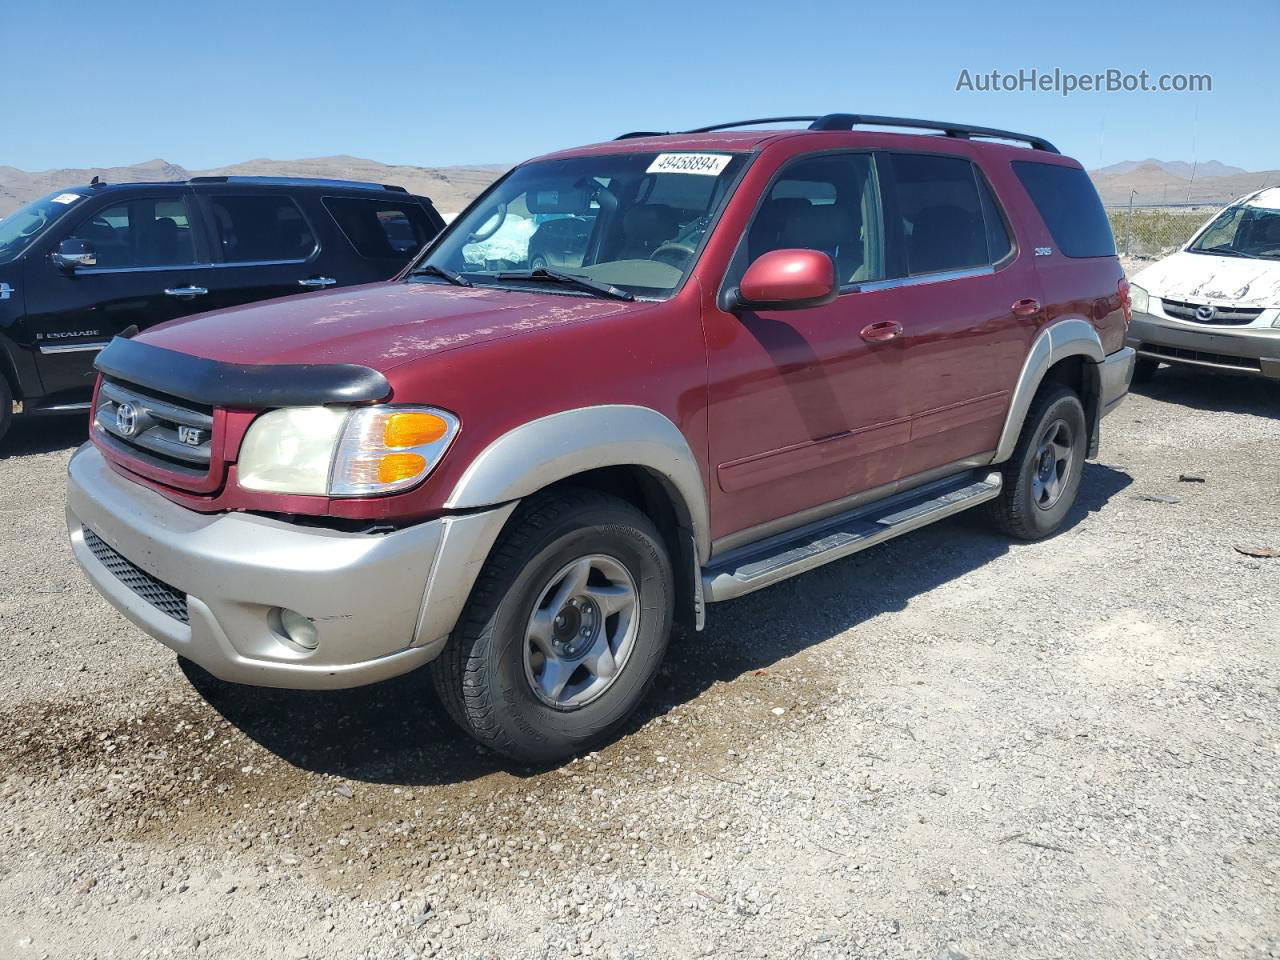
[
  {"x": 829, "y": 203},
  {"x": 1070, "y": 208},
  {"x": 999, "y": 244},
  {"x": 267, "y": 228},
  {"x": 942, "y": 223},
  {"x": 141, "y": 233},
  {"x": 381, "y": 229}
]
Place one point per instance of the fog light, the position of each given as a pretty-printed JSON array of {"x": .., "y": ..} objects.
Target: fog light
[{"x": 299, "y": 629}]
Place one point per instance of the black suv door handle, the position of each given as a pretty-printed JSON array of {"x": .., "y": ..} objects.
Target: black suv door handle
[
  {"x": 185, "y": 292},
  {"x": 318, "y": 282}
]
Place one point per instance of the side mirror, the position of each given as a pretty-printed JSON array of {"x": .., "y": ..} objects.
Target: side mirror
[
  {"x": 72, "y": 253},
  {"x": 786, "y": 280}
]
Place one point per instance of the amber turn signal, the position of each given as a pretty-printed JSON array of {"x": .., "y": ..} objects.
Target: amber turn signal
[
  {"x": 405, "y": 430},
  {"x": 395, "y": 467}
]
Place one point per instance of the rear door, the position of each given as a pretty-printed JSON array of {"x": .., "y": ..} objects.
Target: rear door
[
  {"x": 969, "y": 308},
  {"x": 264, "y": 244},
  {"x": 152, "y": 265}
]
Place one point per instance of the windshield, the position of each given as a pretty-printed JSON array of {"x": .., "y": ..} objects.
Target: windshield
[
  {"x": 632, "y": 222},
  {"x": 1242, "y": 231},
  {"x": 21, "y": 228}
]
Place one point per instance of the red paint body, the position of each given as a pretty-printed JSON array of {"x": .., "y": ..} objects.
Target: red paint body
[{"x": 785, "y": 409}]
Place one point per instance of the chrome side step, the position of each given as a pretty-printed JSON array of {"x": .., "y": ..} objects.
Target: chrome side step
[{"x": 763, "y": 564}]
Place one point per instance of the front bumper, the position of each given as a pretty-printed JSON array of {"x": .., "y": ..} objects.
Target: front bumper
[
  {"x": 382, "y": 603},
  {"x": 1245, "y": 349}
]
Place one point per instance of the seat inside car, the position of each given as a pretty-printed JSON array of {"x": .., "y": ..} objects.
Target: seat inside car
[{"x": 645, "y": 228}]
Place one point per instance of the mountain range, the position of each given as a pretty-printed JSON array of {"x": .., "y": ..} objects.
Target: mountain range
[{"x": 1150, "y": 182}]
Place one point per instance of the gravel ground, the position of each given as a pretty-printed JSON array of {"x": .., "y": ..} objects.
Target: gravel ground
[{"x": 948, "y": 746}]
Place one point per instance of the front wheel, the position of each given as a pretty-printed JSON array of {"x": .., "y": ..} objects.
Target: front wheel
[
  {"x": 6, "y": 407},
  {"x": 565, "y": 628},
  {"x": 1042, "y": 477}
]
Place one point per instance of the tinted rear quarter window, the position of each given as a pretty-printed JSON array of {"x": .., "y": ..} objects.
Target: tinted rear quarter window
[
  {"x": 381, "y": 229},
  {"x": 261, "y": 228},
  {"x": 1070, "y": 208}
]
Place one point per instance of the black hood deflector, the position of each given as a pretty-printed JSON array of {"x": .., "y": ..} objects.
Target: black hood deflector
[{"x": 248, "y": 386}]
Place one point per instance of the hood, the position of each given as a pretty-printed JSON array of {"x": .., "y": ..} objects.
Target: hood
[
  {"x": 379, "y": 325},
  {"x": 1230, "y": 281}
]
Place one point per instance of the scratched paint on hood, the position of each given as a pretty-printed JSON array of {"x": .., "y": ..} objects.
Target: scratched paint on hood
[
  {"x": 1228, "y": 281},
  {"x": 380, "y": 325}
]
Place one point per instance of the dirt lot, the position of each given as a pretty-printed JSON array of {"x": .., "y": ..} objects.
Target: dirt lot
[{"x": 947, "y": 746}]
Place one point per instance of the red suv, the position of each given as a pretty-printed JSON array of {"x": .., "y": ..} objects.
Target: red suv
[{"x": 757, "y": 352}]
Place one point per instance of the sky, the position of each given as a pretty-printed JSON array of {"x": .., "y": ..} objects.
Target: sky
[{"x": 435, "y": 84}]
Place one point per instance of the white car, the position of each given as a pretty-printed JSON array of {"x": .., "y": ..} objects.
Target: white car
[{"x": 1216, "y": 302}]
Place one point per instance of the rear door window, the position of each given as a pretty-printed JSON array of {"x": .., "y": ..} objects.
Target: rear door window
[
  {"x": 381, "y": 229},
  {"x": 147, "y": 232},
  {"x": 266, "y": 228},
  {"x": 1070, "y": 208},
  {"x": 942, "y": 222}
]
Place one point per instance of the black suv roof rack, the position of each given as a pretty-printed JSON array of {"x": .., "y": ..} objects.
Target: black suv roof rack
[
  {"x": 302, "y": 182},
  {"x": 847, "y": 121}
]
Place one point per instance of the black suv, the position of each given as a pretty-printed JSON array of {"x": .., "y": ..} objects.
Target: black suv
[{"x": 81, "y": 265}]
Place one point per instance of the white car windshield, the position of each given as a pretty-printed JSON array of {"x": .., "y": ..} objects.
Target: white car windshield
[
  {"x": 1243, "y": 230},
  {"x": 627, "y": 225},
  {"x": 22, "y": 227}
]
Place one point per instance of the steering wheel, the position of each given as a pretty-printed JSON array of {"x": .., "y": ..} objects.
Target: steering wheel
[
  {"x": 499, "y": 218},
  {"x": 673, "y": 253},
  {"x": 35, "y": 227}
]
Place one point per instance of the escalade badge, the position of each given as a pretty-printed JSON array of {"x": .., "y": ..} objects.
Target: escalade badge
[
  {"x": 126, "y": 419},
  {"x": 6, "y": 291},
  {"x": 1207, "y": 312}
]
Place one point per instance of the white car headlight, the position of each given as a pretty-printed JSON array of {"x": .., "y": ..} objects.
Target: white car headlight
[
  {"x": 1138, "y": 298},
  {"x": 344, "y": 451}
]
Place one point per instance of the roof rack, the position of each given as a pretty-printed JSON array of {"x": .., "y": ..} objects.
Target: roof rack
[
  {"x": 301, "y": 181},
  {"x": 847, "y": 121}
]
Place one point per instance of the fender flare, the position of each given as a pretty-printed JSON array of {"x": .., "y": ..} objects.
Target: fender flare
[
  {"x": 1070, "y": 337},
  {"x": 535, "y": 455}
]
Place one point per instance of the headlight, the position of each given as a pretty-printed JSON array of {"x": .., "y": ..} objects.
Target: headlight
[
  {"x": 344, "y": 451},
  {"x": 1138, "y": 298}
]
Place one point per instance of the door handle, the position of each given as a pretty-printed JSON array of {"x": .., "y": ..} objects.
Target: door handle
[
  {"x": 185, "y": 292},
  {"x": 881, "y": 331},
  {"x": 1028, "y": 307},
  {"x": 318, "y": 282}
]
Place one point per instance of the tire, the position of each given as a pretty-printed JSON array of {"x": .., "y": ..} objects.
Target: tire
[
  {"x": 6, "y": 407},
  {"x": 1144, "y": 369},
  {"x": 493, "y": 676},
  {"x": 1035, "y": 500}
]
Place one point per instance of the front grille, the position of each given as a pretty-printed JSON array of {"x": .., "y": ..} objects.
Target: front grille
[
  {"x": 164, "y": 431},
  {"x": 1161, "y": 352},
  {"x": 168, "y": 600},
  {"x": 1221, "y": 316}
]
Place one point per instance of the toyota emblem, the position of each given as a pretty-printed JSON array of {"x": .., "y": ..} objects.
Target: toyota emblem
[
  {"x": 126, "y": 419},
  {"x": 1206, "y": 312}
]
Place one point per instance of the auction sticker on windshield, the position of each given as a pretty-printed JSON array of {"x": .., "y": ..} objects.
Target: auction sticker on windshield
[
  {"x": 707, "y": 164},
  {"x": 66, "y": 198}
]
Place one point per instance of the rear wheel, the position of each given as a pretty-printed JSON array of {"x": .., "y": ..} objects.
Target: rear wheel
[
  {"x": 564, "y": 630},
  {"x": 1042, "y": 477},
  {"x": 1144, "y": 368}
]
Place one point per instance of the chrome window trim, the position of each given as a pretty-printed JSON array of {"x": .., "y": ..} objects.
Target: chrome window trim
[
  {"x": 86, "y": 347},
  {"x": 922, "y": 279},
  {"x": 95, "y": 271}
]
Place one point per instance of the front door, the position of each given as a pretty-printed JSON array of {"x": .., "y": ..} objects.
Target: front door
[
  {"x": 152, "y": 265},
  {"x": 804, "y": 409}
]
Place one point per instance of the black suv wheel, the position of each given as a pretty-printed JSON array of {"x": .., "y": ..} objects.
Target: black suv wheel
[
  {"x": 1042, "y": 477},
  {"x": 6, "y": 407},
  {"x": 565, "y": 628}
]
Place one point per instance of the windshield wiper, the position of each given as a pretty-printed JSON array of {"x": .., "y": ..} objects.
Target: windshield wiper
[
  {"x": 1221, "y": 252},
  {"x": 568, "y": 279},
  {"x": 456, "y": 279}
]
